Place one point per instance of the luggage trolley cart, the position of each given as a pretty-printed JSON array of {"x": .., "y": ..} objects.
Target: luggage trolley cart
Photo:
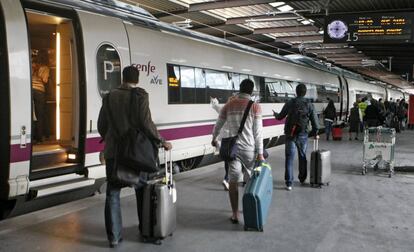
[{"x": 379, "y": 148}]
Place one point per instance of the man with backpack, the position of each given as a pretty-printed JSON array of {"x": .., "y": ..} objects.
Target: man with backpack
[{"x": 298, "y": 111}]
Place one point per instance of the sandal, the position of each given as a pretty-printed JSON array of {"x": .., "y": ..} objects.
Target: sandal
[{"x": 234, "y": 221}]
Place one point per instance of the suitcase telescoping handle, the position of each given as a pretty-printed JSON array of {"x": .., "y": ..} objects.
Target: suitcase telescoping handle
[
  {"x": 315, "y": 144},
  {"x": 168, "y": 167}
]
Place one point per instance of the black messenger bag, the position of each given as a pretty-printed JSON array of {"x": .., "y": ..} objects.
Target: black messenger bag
[
  {"x": 229, "y": 148},
  {"x": 134, "y": 153}
]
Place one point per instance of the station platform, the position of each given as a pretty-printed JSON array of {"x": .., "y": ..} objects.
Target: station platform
[{"x": 355, "y": 213}]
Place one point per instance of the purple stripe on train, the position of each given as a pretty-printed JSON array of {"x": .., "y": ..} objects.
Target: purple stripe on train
[
  {"x": 18, "y": 154},
  {"x": 94, "y": 144}
]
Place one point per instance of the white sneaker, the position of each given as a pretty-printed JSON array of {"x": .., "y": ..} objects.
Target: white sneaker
[
  {"x": 288, "y": 188},
  {"x": 226, "y": 185}
]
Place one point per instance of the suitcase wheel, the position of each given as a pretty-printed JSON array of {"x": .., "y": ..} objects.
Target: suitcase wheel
[
  {"x": 261, "y": 229},
  {"x": 327, "y": 184},
  {"x": 152, "y": 240},
  {"x": 246, "y": 228}
]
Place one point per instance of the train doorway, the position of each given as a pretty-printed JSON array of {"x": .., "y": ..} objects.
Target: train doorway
[
  {"x": 4, "y": 112},
  {"x": 55, "y": 95}
]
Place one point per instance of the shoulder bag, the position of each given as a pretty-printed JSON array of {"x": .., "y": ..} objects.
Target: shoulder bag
[
  {"x": 134, "y": 153},
  {"x": 229, "y": 148}
]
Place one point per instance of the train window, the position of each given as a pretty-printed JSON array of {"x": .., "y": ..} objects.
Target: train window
[
  {"x": 187, "y": 80},
  {"x": 174, "y": 92},
  {"x": 200, "y": 84},
  {"x": 108, "y": 65},
  {"x": 278, "y": 91},
  {"x": 189, "y": 85},
  {"x": 327, "y": 92},
  {"x": 311, "y": 93},
  {"x": 237, "y": 79},
  {"x": 218, "y": 85}
]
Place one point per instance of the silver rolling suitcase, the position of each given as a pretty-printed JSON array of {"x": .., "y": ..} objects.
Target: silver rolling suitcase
[
  {"x": 320, "y": 168},
  {"x": 159, "y": 206}
]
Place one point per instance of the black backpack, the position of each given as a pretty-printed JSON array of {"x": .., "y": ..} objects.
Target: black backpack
[{"x": 299, "y": 116}]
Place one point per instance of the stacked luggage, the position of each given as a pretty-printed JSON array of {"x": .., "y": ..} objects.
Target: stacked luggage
[{"x": 258, "y": 197}]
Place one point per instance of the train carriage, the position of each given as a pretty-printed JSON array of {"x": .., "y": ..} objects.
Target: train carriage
[{"x": 88, "y": 44}]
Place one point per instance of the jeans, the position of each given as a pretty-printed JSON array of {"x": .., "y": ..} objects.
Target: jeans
[
  {"x": 300, "y": 143},
  {"x": 328, "y": 128},
  {"x": 113, "y": 217}
]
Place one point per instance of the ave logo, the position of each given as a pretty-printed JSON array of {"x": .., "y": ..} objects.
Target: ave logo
[
  {"x": 149, "y": 69},
  {"x": 156, "y": 80}
]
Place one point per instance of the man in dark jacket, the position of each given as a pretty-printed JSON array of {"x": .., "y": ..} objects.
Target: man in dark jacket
[
  {"x": 119, "y": 102},
  {"x": 298, "y": 112},
  {"x": 372, "y": 114}
]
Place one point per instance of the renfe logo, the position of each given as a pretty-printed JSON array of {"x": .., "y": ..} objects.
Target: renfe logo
[{"x": 148, "y": 68}]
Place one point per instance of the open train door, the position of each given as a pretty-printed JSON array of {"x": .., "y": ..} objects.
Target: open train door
[
  {"x": 57, "y": 101},
  {"x": 15, "y": 105},
  {"x": 344, "y": 107},
  {"x": 106, "y": 49}
]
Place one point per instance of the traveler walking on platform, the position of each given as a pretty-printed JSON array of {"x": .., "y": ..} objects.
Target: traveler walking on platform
[
  {"x": 372, "y": 114},
  {"x": 298, "y": 112},
  {"x": 224, "y": 132},
  {"x": 354, "y": 121},
  {"x": 329, "y": 115},
  {"x": 140, "y": 117},
  {"x": 402, "y": 113},
  {"x": 362, "y": 107},
  {"x": 249, "y": 142}
]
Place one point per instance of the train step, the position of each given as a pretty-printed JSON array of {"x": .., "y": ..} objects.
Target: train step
[
  {"x": 47, "y": 155},
  {"x": 59, "y": 187},
  {"x": 55, "y": 170}
]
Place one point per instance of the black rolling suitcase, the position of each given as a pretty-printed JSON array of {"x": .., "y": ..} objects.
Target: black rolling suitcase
[
  {"x": 159, "y": 206},
  {"x": 320, "y": 168}
]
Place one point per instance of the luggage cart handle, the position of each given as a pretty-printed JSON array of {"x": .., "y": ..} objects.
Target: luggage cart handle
[
  {"x": 315, "y": 144},
  {"x": 168, "y": 175}
]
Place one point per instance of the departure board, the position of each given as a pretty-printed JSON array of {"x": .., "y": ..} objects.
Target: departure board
[{"x": 369, "y": 28}]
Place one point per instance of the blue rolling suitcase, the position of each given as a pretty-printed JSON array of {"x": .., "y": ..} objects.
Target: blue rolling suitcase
[{"x": 257, "y": 197}]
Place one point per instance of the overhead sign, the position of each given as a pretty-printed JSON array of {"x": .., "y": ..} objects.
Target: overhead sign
[{"x": 369, "y": 28}]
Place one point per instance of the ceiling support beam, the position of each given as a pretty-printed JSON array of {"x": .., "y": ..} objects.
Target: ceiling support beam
[
  {"x": 212, "y": 5},
  {"x": 299, "y": 38},
  {"x": 348, "y": 59},
  {"x": 201, "y": 27},
  {"x": 340, "y": 55},
  {"x": 242, "y": 20},
  {"x": 167, "y": 14},
  {"x": 301, "y": 28},
  {"x": 332, "y": 51}
]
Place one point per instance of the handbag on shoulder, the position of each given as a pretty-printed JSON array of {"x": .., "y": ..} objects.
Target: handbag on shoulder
[
  {"x": 134, "y": 152},
  {"x": 229, "y": 148}
]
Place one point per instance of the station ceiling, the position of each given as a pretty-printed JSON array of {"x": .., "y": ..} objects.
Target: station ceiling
[{"x": 294, "y": 26}]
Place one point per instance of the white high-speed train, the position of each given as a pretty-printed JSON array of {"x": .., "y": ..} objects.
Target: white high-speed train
[{"x": 88, "y": 43}]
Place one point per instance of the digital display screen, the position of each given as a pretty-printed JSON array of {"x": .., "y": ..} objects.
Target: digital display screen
[{"x": 369, "y": 28}]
